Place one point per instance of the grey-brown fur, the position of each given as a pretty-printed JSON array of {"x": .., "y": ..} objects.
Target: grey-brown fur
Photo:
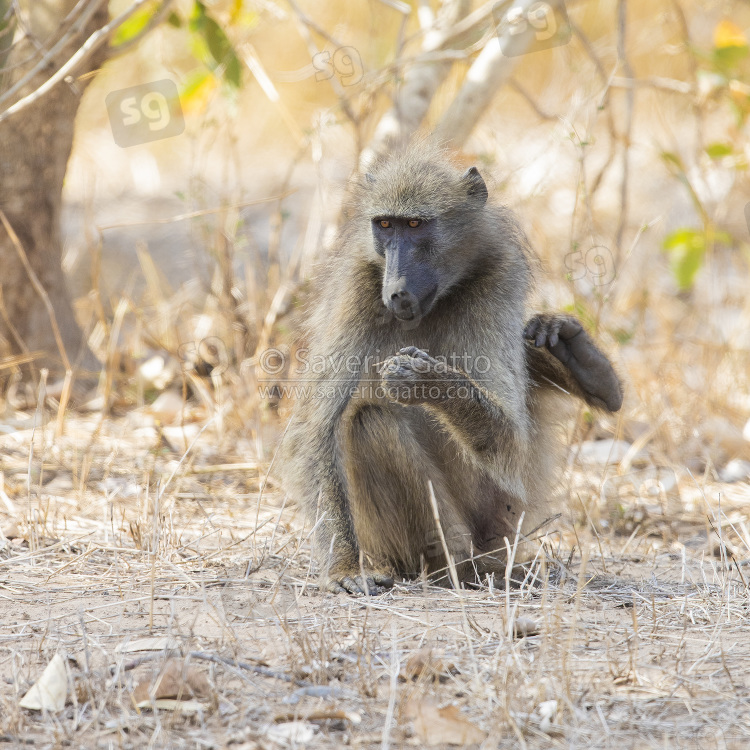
[{"x": 361, "y": 460}]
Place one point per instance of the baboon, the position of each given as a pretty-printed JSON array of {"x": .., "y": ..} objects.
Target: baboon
[{"x": 421, "y": 377}]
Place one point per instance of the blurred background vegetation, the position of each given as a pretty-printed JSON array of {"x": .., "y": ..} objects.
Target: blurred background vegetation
[{"x": 623, "y": 148}]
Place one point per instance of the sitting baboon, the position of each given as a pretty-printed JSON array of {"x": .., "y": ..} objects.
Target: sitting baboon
[{"x": 418, "y": 371}]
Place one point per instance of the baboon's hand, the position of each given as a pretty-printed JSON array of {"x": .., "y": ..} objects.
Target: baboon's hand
[
  {"x": 407, "y": 377},
  {"x": 565, "y": 338},
  {"x": 547, "y": 330},
  {"x": 373, "y": 583}
]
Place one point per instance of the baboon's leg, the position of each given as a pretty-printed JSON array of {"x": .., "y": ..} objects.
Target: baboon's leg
[
  {"x": 316, "y": 472},
  {"x": 388, "y": 468},
  {"x": 563, "y": 354}
]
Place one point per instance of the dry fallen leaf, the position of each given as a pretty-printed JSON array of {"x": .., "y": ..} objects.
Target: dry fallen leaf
[
  {"x": 525, "y": 626},
  {"x": 442, "y": 726},
  {"x": 50, "y": 691},
  {"x": 157, "y": 643},
  {"x": 547, "y": 711},
  {"x": 427, "y": 665},
  {"x": 176, "y": 681},
  {"x": 324, "y": 715},
  {"x": 297, "y": 732},
  {"x": 170, "y": 704}
]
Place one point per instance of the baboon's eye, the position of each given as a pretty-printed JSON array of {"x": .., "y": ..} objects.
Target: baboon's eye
[
  {"x": 385, "y": 223},
  {"x": 414, "y": 223}
]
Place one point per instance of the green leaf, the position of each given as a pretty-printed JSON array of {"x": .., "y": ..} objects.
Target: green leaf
[
  {"x": 174, "y": 20},
  {"x": 241, "y": 16},
  {"x": 135, "y": 24},
  {"x": 220, "y": 52},
  {"x": 687, "y": 248},
  {"x": 718, "y": 150},
  {"x": 622, "y": 336},
  {"x": 728, "y": 58},
  {"x": 694, "y": 238},
  {"x": 685, "y": 267}
]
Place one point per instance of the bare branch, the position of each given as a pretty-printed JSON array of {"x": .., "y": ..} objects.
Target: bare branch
[
  {"x": 516, "y": 86},
  {"x": 84, "y": 15},
  {"x": 420, "y": 82},
  {"x": 84, "y": 51},
  {"x": 487, "y": 74}
]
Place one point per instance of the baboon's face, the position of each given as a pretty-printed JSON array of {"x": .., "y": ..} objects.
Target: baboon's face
[
  {"x": 411, "y": 280},
  {"x": 422, "y": 219}
]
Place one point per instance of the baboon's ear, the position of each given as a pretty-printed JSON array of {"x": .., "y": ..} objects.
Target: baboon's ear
[
  {"x": 475, "y": 187},
  {"x": 369, "y": 179}
]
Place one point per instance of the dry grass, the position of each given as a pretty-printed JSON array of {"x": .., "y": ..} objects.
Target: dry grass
[
  {"x": 132, "y": 549},
  {"x": 634, "y": 639}
]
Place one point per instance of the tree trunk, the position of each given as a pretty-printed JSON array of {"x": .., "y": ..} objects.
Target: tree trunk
[{"x": 35, "y": 145}]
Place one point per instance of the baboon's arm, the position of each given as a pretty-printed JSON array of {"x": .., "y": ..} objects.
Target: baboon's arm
[
  {"x": 474, "y": 415},
  {"x": 559, "y": 353}
]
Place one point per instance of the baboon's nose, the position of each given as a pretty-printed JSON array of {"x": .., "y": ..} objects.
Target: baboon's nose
[{"x": 402, "y": 303}]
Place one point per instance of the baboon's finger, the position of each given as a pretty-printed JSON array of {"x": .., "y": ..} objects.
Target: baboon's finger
[
  {"x": 531, "y": 328},
  {"x": 412, "y": 351},
  {"x": 350, "y": 584},
  {"x": 334, "y": 587}
]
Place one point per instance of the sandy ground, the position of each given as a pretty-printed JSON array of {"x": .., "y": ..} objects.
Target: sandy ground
[{"x": 186, "y": 615}]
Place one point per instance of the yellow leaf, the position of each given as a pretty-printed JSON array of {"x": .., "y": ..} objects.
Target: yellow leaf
[
  {"x": 728, "y": 34},
  {"x": 442, "y": 726},
  {"x": 198, "y": 91},
  {"x": 177, "y": 681}
]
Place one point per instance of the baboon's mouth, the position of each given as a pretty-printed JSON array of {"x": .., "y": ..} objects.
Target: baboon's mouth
[{"x": 418, "y": 310}]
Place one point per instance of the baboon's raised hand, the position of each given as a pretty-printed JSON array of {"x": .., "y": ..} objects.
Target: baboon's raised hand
[{"x": 593, "y": 377}]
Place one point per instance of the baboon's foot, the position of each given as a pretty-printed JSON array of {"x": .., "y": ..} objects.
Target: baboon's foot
[
  {"x": 373, "y": 583},
  {"x": 409, "y": 376}
]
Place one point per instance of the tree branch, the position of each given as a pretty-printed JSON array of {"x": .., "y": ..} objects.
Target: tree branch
[
  {"x": 487, "y": 74},
  {"x": 84, "y": 15},
  {"x": 420, "y": 82},
  {"x": 84, "y": 51}
]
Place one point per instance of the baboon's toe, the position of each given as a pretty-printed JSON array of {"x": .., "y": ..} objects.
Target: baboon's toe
[{"x": 374, "y": 584}]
